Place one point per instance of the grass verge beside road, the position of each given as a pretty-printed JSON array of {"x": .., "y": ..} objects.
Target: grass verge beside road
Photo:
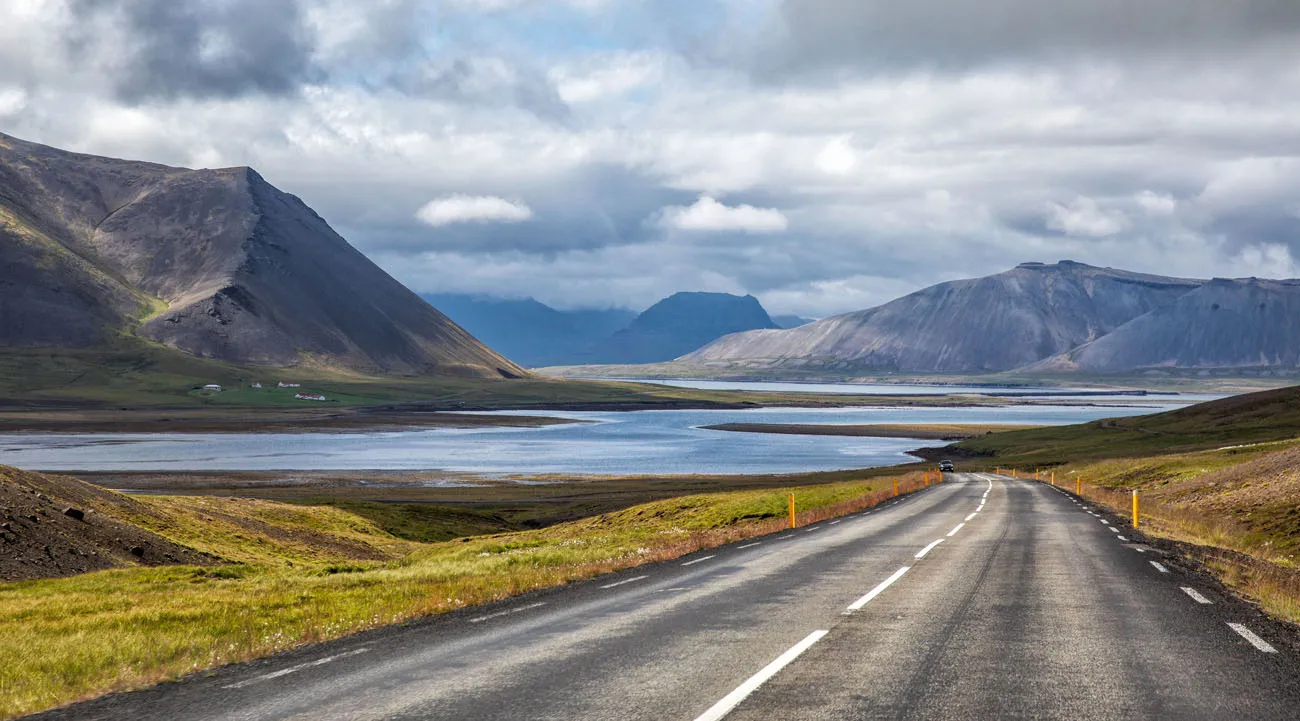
[{"x": 300, "y": 575}]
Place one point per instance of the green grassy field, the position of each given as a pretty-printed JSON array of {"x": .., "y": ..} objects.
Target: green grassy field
[
  {"x": 1253, "y": 418},
  {"x": 299, "y": 574}
]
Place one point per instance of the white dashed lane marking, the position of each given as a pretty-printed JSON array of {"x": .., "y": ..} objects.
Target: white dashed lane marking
[
  {"x": 1159, "y": 567},
  {"x": 699, "y": 560},
  {"x": 626, "y": 580},
  {"x": 927, "y": 549},
  {"x": 1249, "y": 635},
  {"x": 1196, "y": 595}
]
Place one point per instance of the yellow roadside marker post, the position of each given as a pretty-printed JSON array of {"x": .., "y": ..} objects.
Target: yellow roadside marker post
[
  {"x": 792, "y": 510},
  {"x": 1135, "y": 509},
  {"x": 1078, "y": 486},
  {"x": 1053, "y": 478},
  {"x": 895, "y": 488}
]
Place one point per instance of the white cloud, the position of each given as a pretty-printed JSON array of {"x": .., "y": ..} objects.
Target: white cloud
[
  {"x": 472, "y": 209},
  {"x": 1157, "y": 204},
  {"x": 1084, "y": 218},
  {"x": 710, "y": 215}
]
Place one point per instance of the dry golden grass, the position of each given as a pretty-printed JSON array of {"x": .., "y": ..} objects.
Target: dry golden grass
[{"x": 67, "y": 639}]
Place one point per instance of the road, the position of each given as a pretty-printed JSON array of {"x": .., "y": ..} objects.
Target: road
[{"x": 983, "y": 597}]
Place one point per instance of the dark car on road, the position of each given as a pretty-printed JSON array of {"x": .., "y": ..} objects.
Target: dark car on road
[{"x": 946, "y": 467}]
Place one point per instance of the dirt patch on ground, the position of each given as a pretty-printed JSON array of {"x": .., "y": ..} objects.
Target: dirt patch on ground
[{"x": 49, "y": 527}]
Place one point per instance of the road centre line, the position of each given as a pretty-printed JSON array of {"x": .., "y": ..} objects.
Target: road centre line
[
  {"x": 953, "y": 532},
  {"x": 626, "y": 580},
  {"x": 1249, "y": 635},
  {"x": 1196, "y": 595},
  {"x": 699, "y": 560},
  {"x": 499, "y": 614},
  {"x": 1159, "y": 567},
  {"x": 295, "y": 669},
  {"x": 927, "y": 549},
  {"x": 971, "y": 516},
  {"x": 878, "y": 589},
  {"x": 733, "y": 699}
]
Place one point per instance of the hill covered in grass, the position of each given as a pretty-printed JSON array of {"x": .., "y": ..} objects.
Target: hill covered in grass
[{"x": 1266, "y": 416}]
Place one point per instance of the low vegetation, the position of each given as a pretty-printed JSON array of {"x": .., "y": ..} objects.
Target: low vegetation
[
  {"x": 289, "y": 575},
  {"x": 1253, "y": 418}
]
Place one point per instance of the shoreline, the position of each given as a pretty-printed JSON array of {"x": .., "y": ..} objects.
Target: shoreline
[{"x": 917, "y": 431}]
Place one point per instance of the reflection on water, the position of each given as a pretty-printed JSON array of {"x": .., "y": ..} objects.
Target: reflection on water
[{"x": 660, "y": 442}]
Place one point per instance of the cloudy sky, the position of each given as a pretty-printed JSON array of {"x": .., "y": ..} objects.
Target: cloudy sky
[{"x": 824, "y": 155}]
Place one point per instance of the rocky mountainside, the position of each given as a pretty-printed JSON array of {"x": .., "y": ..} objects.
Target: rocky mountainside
[
  {"x": 995, "y": 323},
  {"x": 679, "y": 324},
  {"x": 529, "y": 332},
  {"x": 215, "y": 263},
  {"x": 1224, "y": 324}
]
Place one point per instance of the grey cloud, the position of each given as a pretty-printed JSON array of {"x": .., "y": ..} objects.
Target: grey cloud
[
  {"x": 949, "y": 34},
  {"x": 196, "y": 48},
  {"x": 488, "y": 82}
]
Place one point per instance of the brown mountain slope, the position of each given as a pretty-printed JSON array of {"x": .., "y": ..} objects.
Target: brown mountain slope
[{"x": 216, "y": 263}]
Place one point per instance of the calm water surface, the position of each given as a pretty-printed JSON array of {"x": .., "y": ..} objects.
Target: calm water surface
[{"x": 662, "y": 442}]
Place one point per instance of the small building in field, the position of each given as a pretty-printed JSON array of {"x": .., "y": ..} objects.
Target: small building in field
[
  {"x": 212, "y": 387},
  {"x": 257, "y": 385},
  {"x": 290, "y": 385},
  {"x": 310, "y": 397}
]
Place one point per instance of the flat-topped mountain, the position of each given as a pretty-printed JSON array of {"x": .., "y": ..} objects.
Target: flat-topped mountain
[
  {"x": 679, "y": 324},
  {"x": 216, "y": 263},
  {"x": 995, "y": 323},
  {"x": 1225, "y": 324}
]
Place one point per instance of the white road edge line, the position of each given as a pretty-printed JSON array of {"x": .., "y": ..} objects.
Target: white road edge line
[
  {"x": 626, "y": 580},
  {"x": 858, "y": 604},
  {"x": 499, "y": 614},
  {"x": 1249, "y": 635},
  {"x": 1123, "y": 538},
  {"x": 733, "y": 699},
  {"x": 750, "y": 545},
  {"x": 1113, "y": 529},
  {"x": 1196, "y": 595},
  {"x": 832, "y": 523},
  {"x": 953, "y": 532},
  {"x": 699, "y": 560},
  {"x": 1159, "y": 567},
  {"x": 295, "y": 669},
  {"x": 927, "y": 549},
  {"x": 971, "y": 516}
]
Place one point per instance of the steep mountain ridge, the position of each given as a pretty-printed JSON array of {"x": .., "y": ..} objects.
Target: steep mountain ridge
[
  {"x": 989, "y": 324},
  {"x": 216, "y": 263}
]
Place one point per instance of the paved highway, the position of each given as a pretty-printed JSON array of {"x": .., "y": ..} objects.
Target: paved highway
[{"x": 983, "y": 597}]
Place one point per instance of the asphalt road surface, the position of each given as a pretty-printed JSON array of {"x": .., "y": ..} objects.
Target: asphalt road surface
[{"x": 981, "y": 598}]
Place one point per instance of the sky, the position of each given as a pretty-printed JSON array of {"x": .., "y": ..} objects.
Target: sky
[{"x": 823, "y": 155}]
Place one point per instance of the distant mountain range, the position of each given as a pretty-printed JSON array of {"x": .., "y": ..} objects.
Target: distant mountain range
[
  {"x": 679, "y": 324},
  {"x": 534, "y": 334},
  {"x": 215, "y": 263},
  {"x": 529, "y": 332},
  {"x": 1037, "y": 318}
]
